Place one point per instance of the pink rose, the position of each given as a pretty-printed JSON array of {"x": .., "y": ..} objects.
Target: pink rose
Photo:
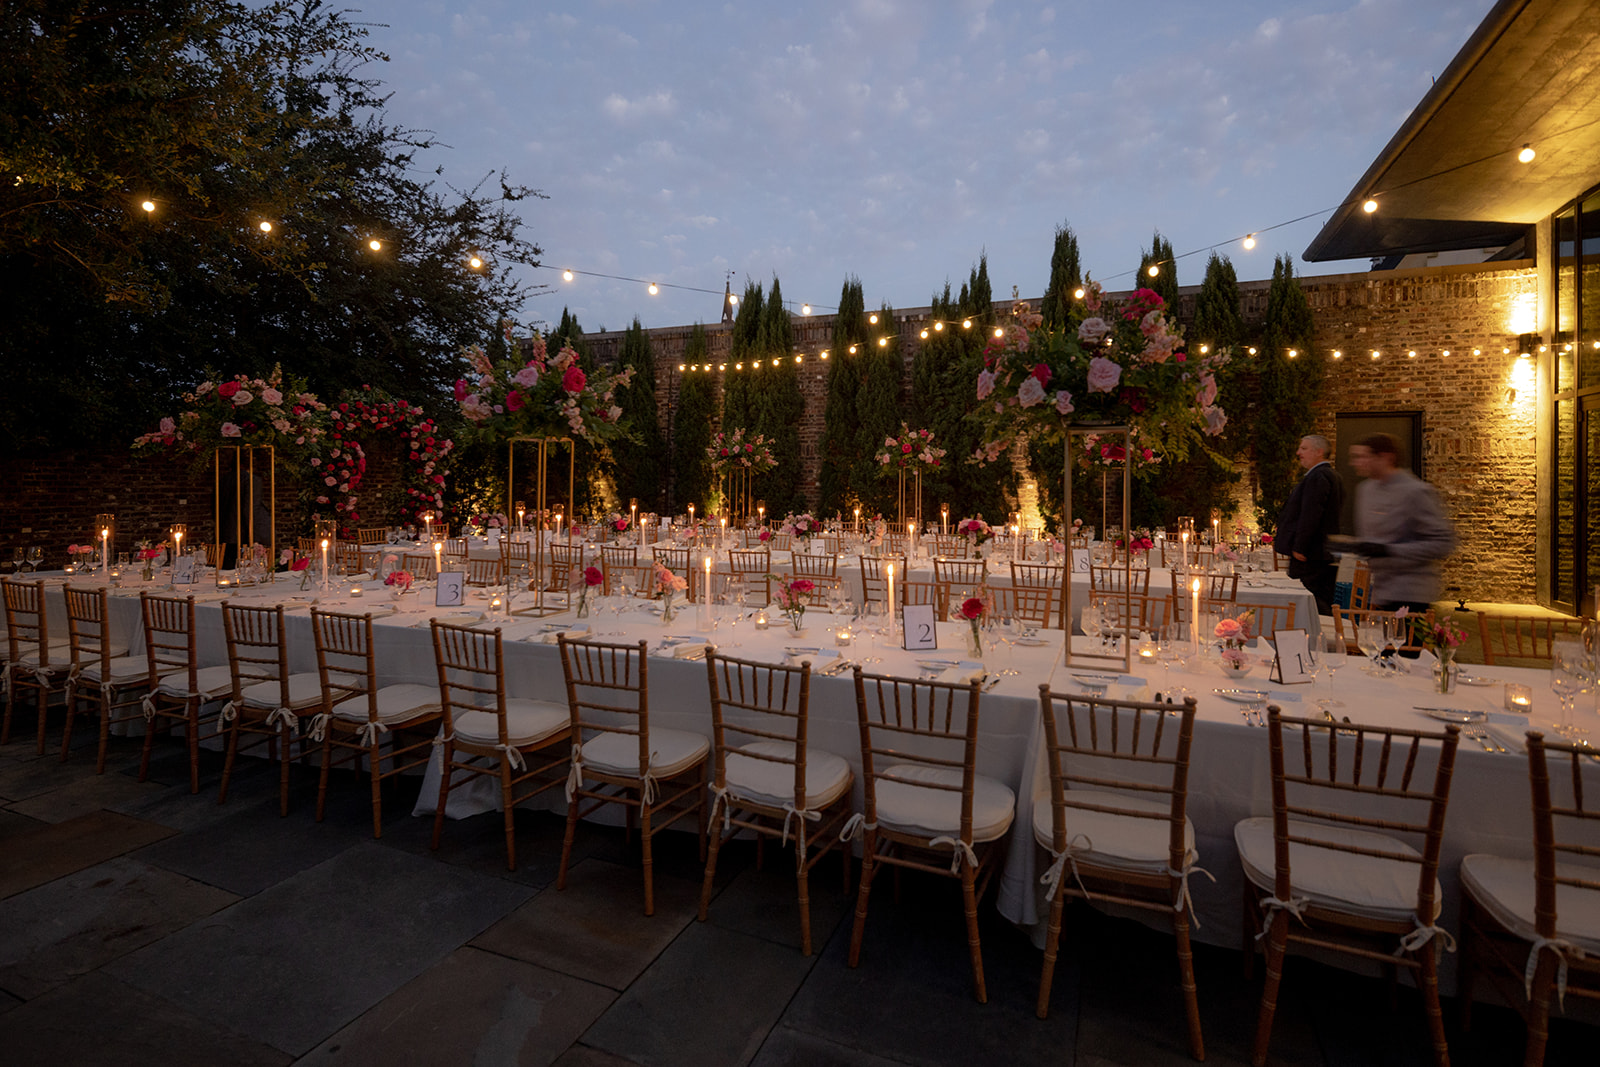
[
  {"x": 243, "y": 397},
  {"x": 1063, "y": 402},
  {"x": 271, "y": 396},
  {"x": 527, "y": 377},
  {"x": 168, "y": 426},
  {"x": 230, "y": 430},
  {"x": 1216, "y": 419},
  {"x": 574, "y": 380},
  {"x": 1103, "y": 375},
  {"x": 1092, "y": 330},
  {"x": 985, "y": 384},
  {"x": 1228, "y": 629},
  {"x": 1030, "y": 392}
]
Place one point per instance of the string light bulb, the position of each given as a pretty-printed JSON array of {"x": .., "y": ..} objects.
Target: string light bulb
[
  {"x": 1252, "y": 350},
  {"x": 148, "y": 206},
  {"x": 375, "y": 244},
  {"x": 805, "y": 309},
  {"x": 998, "y": 332},
  {"x": 824, "y": 353},
  {"x": 566, "y": 275},
  {"x": 873, "y": 318},
  {"x": 1370, "y": 206},
  {"x": 938, "y": 327},
  {"x": 1249, "y": 241},
  {"x": 681, "y": 366},
  {"x": 1155, "y": 269},
  {"x": 924, "y": 335},
  {"x": 1077, "y": 294},
  {"x": 1526, "y": 155},
  {"x": 475, "y": 263},
  {"x": 852, "y": 350},
  {"x": 1337, "y": 354},
  {"x": 1204, "y": 349},
  {"x": 966, "y": 324},
  {"x": 266, "y": 227},
  {"x": 653, "y": 289},
  {"x": 883, "y": 342},
  {"x": 1375, "y": 353},
  {"x": 797, "y": 359},
  {"x": 732, "y": 299},
  {"x": 1293, "y": 354},
  {"x": 1411, "y": 354}
]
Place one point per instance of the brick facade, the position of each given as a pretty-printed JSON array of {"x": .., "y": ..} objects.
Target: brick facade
[{"x": 1478, "y": 416}]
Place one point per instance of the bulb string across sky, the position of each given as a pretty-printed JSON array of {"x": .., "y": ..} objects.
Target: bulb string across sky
[{"x": 898, "y": 141}]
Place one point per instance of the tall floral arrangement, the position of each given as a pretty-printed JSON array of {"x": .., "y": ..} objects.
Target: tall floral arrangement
[
  {"x": 910, "y": 451},
  {"x": 535, "y": 394},
  {"x": 740, "y": 448},
  {"x": 1126, "y": 364},
  {"x": 242, "y": 411},
  {"x": 424, "y": 449}
]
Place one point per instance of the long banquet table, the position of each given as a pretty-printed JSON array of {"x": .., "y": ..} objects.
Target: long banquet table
[{"x": 1229, "y": 781}]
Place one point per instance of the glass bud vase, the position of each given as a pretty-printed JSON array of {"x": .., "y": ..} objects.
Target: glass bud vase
[{"x": 1445, "y": 671}]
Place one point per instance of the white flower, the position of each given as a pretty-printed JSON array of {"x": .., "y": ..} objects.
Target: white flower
[
  {"x": 1103, "y": 375},
  {"x": 243, "y": 397},
  {"x": 1092, "y": 330},
  {"x": 1030, "y": 392},
  {"x": 271, "y": 396},
  {"x": 1063, "y": 402}
]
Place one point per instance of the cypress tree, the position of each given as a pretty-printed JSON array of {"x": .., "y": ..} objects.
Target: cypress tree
[
  {"x": 737, "y": 384},
  {"x": 877, "y": 412},
  {"x": 836, "y": 494},
  {"x": 1217, "y": 321},
  {"x": 1165, "y": 282},
  {"x": 692, "y": 431},
  {"x": 1065, "y": 276},
  {"x": 1287, "y": 388},
  {"x": 779, "y": 408},
  {"x": 640, "y": 456}
]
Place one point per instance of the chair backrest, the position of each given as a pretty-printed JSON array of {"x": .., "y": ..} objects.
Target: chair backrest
[
  {"x": 1181, "y": 605},
  {"x": 1346, "y": 620},
  {"x": 1034, "y": 605},
  {"x": 1523, "y": 637},
  {"x": 759, "y": 702},
  {"x": 1114, "y": 579},
  {"x": 960, "y": 572},
  {"x": 516, "y": 557},
  {"x": 420, "y": 565},
  {"x": 256, "y": 649},
  {"x": 608, "y": 690},
  {"x": 1128, "y": 614},
  {"x": 1360, "y": 585},
  {"x": 27, "y": 621},
  {"x": 371, "y": 535},
  {"x": 349, "y": 557},
  {"x": 635, "y": 576},
  {"x": 781, "y": 542},
  {"x": 1100, "y": 751},
  {"x": 1566, "y": 827},
  {"x": 455, "y": 548},
  {"x": 817, "y": 568},
  {"x": 169, "y": 637},
  {"x": 88, "y": 628},
  {"x": 950, "y": 547},
  {"x": 1268, "y": 618},
  {"x": 1212, "y": 586},
  {"x": 472, "y": 673},
  {"x": 345, "y": 662},
  {"x": 1329, "y": 780},
  {"x": 753, "y": 566},
  {"x": 619, "y": 555},
  {"x": 908, "y": 723},
  {"x": 924, "y": 593},
  {"x": 894, "y": 545},
  {"x": 484, "y": 572},
  {"x": 674, "y": 559},
  {"x": 831, "y": 544},
  {"x": 874, "y": 587},
  {"x": 563, "y": 557},
  {"x": 214, "y": 553}
]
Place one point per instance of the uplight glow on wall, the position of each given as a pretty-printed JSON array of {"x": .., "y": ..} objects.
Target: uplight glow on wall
[{"x": 1524, "y": 314}]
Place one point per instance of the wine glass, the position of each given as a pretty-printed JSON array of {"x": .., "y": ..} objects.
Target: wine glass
[
  {"x": 1370, "y": 637},
  {"x": 1177, "y": 653},
  {"x": 1334, "y": 656},
  {"x": 35, "y": 557},
  {"x": 1570, "y": 675},
  {"x": 1091, "y": 620}
]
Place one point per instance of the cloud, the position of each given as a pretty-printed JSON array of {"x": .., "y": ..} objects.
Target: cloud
[{"x": 658, "y": 104}]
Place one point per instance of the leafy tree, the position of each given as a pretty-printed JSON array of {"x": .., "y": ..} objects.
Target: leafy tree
[
  {"x": 221, "y": 116},
  {"x": 568, "y": 332},
  {"x": 1287, "y": 388},
  {"x": 692, "y": 428},
  {"x": 1217, "y": 321},
  {"x": 839, "y": 416},
  {"x": 779, "y": 408},
  {"x": 1166, "y": 280},
  {"x": 1065, "y": 276},
  {"x": 739, "y": 385},
  {"x": 640, "y": 470},
  {"x": 877, "y": 412}
]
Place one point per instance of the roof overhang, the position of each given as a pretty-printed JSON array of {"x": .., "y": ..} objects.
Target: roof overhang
[{"x": 1450, "y": 179}]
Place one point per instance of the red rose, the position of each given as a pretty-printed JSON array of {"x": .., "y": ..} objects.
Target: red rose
[
  {"x": 300, "y": 564},
  {"x": 801, "y": 585},
  {"x": 461, "y": 390},
  {"x": 514, "y": 401},
  {"x": 573, "y": 381},
  {"x": 972, "y": 608},
  {"x": 592, "y": 576},
  {"x": 227, "y": 389},
  {"x": 905, "y": 449},
  {"x": 1042, "y": 373}
]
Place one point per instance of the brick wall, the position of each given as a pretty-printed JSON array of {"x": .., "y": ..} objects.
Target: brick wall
[{"x": 1478, "y": 439}]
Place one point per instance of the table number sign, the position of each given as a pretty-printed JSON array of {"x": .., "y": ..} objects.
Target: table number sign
[
  {"x": 450, "y": 590},
  {"x": 493, "y": 533},
  {"x": 1292, "y": 657},
  {"x": 183, "y": 571},
  {"x": 1080, "y": 561},
  {"x": 919, "y": 631}
]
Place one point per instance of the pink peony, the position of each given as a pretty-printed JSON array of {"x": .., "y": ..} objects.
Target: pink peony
[
  {"x": 1228, "y": 629},
  {"x": 985, "y": 384},
  {"x": 271, "y": 396},
  {"x": 168, "y": 426},
  {"x": 1103, "y": 375},
  {"x": 527, "y": 377},
  {"x": 1064, "y": 402},
  {"x": 230, "y": 430},
  {"x": 1030, "y": 392}
]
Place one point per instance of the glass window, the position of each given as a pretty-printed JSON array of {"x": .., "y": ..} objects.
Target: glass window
[
  {"x": 1564, "y": 544},
  {"x": 1566, "y": 324},
  {"x": 1588, "y": 341},
  {"x": 1591, "y": 503}
]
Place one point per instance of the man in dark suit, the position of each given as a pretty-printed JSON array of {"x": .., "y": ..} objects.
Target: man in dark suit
[{"x": 1311, "y": 514}]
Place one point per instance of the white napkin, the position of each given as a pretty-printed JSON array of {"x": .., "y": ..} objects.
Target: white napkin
[
  {"x": 554, "y": 636},
  {"x": 962, "y": 673}
]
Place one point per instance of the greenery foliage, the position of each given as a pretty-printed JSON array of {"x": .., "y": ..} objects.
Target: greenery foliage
[
  {"x": 640, "y": 456},
  {"x": 692, "y": 429},
  {"x": 1286, "y": 390},
  {"x": 877, "y": 413},
  {"x": 836, "y": 495},
  {"x": 1217, "y": 320},
  {"x": 1165, "y": 283},
  {"x": 1066, "y": 274},
  {"x": 777, "y": 409}
]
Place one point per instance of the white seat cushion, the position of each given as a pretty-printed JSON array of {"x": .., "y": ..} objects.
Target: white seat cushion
[
  {"x": 125, "y": 670},
  {"x": 305, "y": 691},
  {"x": 60, "y": 654},
  {"x": 1505, "y": 888},
  {"x": 396, "y": 703},
  {"x": 1124, "y": 842},
  {"x": 527, "y": 722},
  {"x": 772, "y": 784},
  {"x": 1368, "y": 886},
  {"x": 214, "y": 682},
  {"x": 671, "y": 752},
  {"x": 915, "y": 809}
]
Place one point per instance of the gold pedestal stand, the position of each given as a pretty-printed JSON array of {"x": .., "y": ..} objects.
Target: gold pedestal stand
[
  {"x": 242, "y": 460},
  {"x": 542, "y": 568},
  {"x": 1125, "y": 660}
]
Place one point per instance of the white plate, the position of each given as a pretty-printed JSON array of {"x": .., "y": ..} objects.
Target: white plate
[
  {"x": 1096, "y": 679},
  {"x": 795, "y": 650},
  {"x": 1462, "y": 716},
  {"x": 1032, "y": 642},
  {"x": 1243, "y": 696},
  {"x": 937, "y": 664},
  {"x": 1472, "y": 679}
]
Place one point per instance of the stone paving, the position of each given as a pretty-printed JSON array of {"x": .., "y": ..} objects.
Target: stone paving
[{"x": 142, "y": 925}]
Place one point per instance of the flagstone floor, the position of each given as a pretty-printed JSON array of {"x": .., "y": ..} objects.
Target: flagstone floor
[{"x": 142, "y": 925}]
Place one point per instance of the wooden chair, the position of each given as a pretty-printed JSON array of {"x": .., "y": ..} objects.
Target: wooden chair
[
  {"x": 955, "y": 579},
  {"x": 1212, "y": 586},
  {"x": 753, "y": 568},
  {"x": 1034, "y": 606},
  {"x": 1268, "y": 618},
  {"x": 1115, "y": 579},
  {"x": 765, "y": 777},
  {"x": 1046, "y": 576},
  {"x": 1346, "y": 621},
  {"x": 563, "y": 557},
  {"x": 832, "y": 544},
  {"x": 483, "y": 573},
  {"x": 1533, "y": 926},
  {"x": 1360, "y": 586},
  {"x": 420, "y": 565},
  {"x": 894, "y": 545},
  {"x": 916, "y": 593},
  {"x": 1335, "y": 875},
  {"x": 34, "y": 660},
  {"x": 183, "y": 687},
  {"x": 516, "y": 558},
  {"x": 619, "y": 556},
  {"x": 488, "y": 734},
  {"x": 874, "y": 587},
  {"x": 102, "y": 672},
  {"x": 215, "y": 553},
  {"x": 371, "y": 535},
  {"x": 635, "y": 577},
  {"x": 357, "y": 713},
  {"x": 1129, "y": 616},
  {"x": 924, "y": 800},
  {"x": 1522, "y": 637},
  {"x": 455, "y": 548},
  {"x": 618, "y": 758},
  {"x": 1119, "y": 790},
  {"x": 780, "y": 542},
  {"x": 950, "y": 547},
  {"x": 822, "y": 570},
  {"x": 266, "y": 700},
  {"x": 349, "y": 557},
  {"x": 677, "y": 560}
]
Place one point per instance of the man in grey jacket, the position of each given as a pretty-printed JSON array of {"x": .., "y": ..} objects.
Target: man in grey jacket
[{"x": 1400, "y": 527}]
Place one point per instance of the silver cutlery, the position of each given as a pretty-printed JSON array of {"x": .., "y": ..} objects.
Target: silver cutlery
[
  {"x": 1487, "y": 743},
  {"x": 992, "y": 683}
]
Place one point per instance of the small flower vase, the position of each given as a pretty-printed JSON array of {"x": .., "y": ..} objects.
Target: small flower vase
[
  {"x": 583, "y": 604},
  {"x": 975, "y": 641},
  {"x": 796, "y": 625},
  {"x": 148, "y": 571},
  {"x": 399, "y": 592},
  {"x": 668, "y": 611},
  {"x": 1445, "y": 671},
  {"x": 1234, "y": 670}
]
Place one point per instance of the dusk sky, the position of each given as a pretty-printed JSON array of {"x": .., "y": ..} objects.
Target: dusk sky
[{"x": 896, "y": 140}]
